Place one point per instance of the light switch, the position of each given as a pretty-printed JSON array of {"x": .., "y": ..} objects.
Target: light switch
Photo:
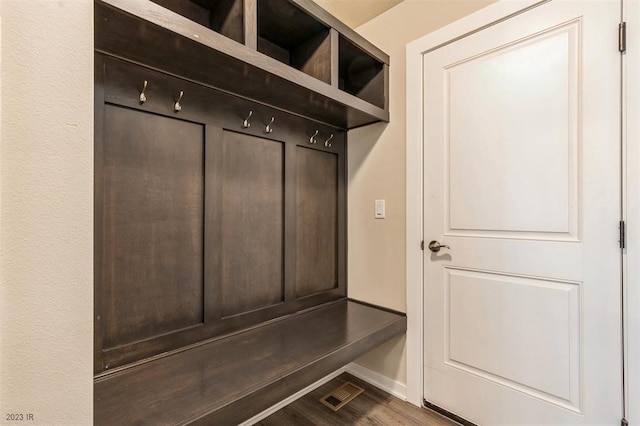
[{"x": 380, "y": 209}]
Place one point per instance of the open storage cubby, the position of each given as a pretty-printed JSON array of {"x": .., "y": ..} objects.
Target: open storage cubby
[
  {"x": 222, "y": 16},
  {"x": 360, "y": 74},
  {"x": 289, "y": 54},
  {"x": 291, "y": 36}
]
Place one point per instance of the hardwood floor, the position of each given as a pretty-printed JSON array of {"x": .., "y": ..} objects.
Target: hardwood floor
[{"x": 372, "y": 407}]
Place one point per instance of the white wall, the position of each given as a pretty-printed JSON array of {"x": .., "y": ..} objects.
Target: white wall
[
  {"x": 46, "y": 211},
  {"x": 377, "y": 170}
]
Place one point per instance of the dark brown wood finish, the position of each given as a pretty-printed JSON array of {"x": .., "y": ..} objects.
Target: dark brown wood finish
[
  {"x": 252, "y": 222},
  {"x": 361, "y": 74},
  {"x": 274, "y": 50},
  {"x": 303, "y": 43},
  {"x": 165, "y": 40},
  {"x": 335, "y": 58},
  {"x": 220, "y": 224},
  {"x": 153, "y": 198},
  {"x": 315, "y": 10},
  {"x": 212, "y": 111},
  {"x": 213, "y": 163},
  {"x": 223, "y": 16},
  {"x": 290, "y": 224},
  {"x": 99, "y": 293},
  {"x": 189, "y": 9},
  {"x": 229, "y": 380},
  {"x": 205, "y": 105},
  {"x": 317, "y": 226},
  {"x": 385, "y": 69},
  {"x": 227, "y": 18},
  {"x": 313, "y": 57},
  {"x": 299, "y": 26}
]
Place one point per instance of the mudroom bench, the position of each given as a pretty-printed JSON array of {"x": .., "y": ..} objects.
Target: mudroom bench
[{"x": 228, "y": 380}]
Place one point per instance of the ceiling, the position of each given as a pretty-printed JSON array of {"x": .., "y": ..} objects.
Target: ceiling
[{"x": 356, "y": 12}]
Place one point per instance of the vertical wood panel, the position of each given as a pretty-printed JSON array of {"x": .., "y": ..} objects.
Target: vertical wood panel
[
  {"x": 98, "y": 287},
  {"x": 213, "y": 166},
  {"x": 252, "y": 223},
  {"x": 153, "y": 225},
  {"x": 290, "y": 222},
  {"x": 251, "y": 24},
  {"x": 317, "y": 221},
  {"x": 335, "y": 57}
]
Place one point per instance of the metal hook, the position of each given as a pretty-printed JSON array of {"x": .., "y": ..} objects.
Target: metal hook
[
  {"x": 177, "y": 107},
  {"x": 313, "y": 139},
  {"x": 326, "y": 143},
  {"x": 245, "y": 123},
  {"x": 143, "y": 97},
  {"x": 268, "y": 129}
]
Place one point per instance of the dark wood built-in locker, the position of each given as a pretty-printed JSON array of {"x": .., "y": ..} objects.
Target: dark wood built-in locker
[
  {"x": 220, "y": 209},
  {"x": 204, "y": 226}
]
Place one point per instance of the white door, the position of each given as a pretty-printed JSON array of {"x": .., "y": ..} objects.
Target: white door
[{"x": 522, "y": 181}]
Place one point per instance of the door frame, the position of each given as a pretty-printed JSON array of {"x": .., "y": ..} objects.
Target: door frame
[
  {"x": 415, "y": 50},
  {"x": 631, "y": 208}
]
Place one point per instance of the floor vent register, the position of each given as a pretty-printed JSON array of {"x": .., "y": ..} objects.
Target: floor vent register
[{"x": 341, "y": 396}]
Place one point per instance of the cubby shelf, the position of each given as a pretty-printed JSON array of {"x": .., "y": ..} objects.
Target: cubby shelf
[
  {"x": 360, "y": 74},
  {"x": 289, "y": 54},
  {"x": 222, "y": 16},
  {"x": 303, "y": 43}
]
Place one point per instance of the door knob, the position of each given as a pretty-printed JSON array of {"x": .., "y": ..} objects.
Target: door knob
[{"x": 435, "y": 246}]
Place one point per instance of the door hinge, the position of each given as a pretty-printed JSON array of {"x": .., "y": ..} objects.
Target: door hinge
[
  {"x": 422, "y": 245},
  {"x": 622, "y": 37},
  {"x": 623, "y": 234}
]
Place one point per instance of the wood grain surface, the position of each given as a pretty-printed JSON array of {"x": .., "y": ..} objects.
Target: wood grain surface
[
  {"x": 153, "y": 225},
  {"x": 231, "y": 379},
  {"x": 373, "y": 407},
  {"x": 317, "y": 219}
]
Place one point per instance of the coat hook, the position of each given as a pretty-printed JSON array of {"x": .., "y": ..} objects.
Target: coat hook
[
  {"x": 269, "y": 129},
  {"x": 313, "y": 139},
  {"x": 177, "y": 107},
  {"x": 245, "y": 123},
  {"x": 143, "y": 97},
  {"x": 327, "y": 143}
]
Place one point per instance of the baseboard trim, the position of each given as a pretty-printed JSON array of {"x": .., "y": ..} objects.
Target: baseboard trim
[
  {"x": 269, "y": 411},
  {"x": 388, "y": 385},
  {"x": 393, "y": 387}
]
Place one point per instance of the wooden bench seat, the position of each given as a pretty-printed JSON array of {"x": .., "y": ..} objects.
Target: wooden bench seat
[{"x": 229, "y": 380}]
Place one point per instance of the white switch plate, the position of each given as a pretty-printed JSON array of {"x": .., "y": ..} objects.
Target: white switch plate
[{"x": 379, "y": 209}]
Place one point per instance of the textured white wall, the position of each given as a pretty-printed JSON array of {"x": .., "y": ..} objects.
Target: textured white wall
[
  {"x": 46, "y": 211},
  {"x": 377, "y": 258}
]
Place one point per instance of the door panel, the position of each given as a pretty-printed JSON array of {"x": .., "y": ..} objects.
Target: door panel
[
  {"x": 508, "y": 329},
  {"x": 513, "y": 147},
  {"x": 521, "y": 180}
]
